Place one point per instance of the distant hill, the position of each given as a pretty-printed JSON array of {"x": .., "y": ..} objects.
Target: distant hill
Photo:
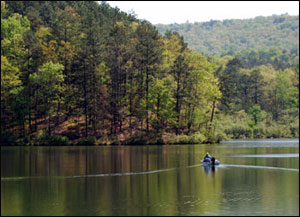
[{"x": 236, "y": 35}]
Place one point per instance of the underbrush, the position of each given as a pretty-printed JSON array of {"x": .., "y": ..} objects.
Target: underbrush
[
  {"x": 196, "y": 138},
  {"x": 43, "y": 139},
  {"x": 241, "y": 126}
]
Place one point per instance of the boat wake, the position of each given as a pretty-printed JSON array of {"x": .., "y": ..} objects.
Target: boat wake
[
  {"x": 258, "y": 167},
  {"x": 264, "y": 156},
  {"x": 142, "y": 173},
  {"x": 87, "y": 176},
  {"x": 123, "y": 174},
  {"x": 248, "y": 166}
]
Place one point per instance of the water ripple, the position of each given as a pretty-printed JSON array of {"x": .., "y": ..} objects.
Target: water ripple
[
  {"x": 283, "y": 141},
  {"x": 291, "y": 143},
  {"x": 87, "y": 176},
  {"x": 141, "y": 173},
  {"x": 258, "y": 167},
  {"x": 265, "y": 155}
]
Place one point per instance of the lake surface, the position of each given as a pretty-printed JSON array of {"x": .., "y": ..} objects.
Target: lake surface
[{"x": 256, "y": 177}]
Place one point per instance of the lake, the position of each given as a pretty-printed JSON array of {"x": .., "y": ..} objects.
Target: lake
[{"x": 256, "y": 177}]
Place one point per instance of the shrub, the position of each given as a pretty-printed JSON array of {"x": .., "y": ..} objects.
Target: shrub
[
  {"x": 143, "y": 138},
  {"x": 278, "y": 131},
  {"x": 25, "y": 140},
  {"x": 196, "y": 138},
  {"x": 8, "y": 139},
  {"x": 218, "y": 137},
  {"x": 294, "y": 129},
  {"x": 178, "y": 139},
  {"x": 42, "y": 139},
  {"x": 259, "y": 132},
  {"x": 58, "y": 140},
  {"x": 114, "y": 140},
  {"x": 239, "y": 132},
  {"x": 89, "y": 141}
]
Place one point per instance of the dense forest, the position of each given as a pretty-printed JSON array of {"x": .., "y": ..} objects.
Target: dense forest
[
  {"x": 84, "y": 73},
  {"x": 237, "y": 35}
]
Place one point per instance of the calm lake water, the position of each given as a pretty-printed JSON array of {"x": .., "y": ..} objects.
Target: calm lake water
[{"x": 258, "y": 177}]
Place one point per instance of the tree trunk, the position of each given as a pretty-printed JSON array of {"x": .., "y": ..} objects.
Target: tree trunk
[
  {"x": 177, "y": 110},
  {"x": 158, "y": 113},
  {"x": 29, "y": 94},
  {"x": 130, "y": 106},
  {"x": 147, "y": 99},
  {"x": 49, "y": 118},
  {"x": 211, "y": 118},
  {"x": 85, "y": 102}
]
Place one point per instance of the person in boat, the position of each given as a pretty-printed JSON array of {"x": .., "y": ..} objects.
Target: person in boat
[{"x": 207, "y": 157}]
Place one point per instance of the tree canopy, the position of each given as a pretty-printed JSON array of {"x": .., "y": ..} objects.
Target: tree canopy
[{"x": 92, "y": 73}]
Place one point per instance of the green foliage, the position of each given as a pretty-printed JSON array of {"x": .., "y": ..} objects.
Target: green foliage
[
  {"x": 162, "y": 102},
  {"x": 229, "y": 80},
  {"x": 196, "y": 138},
  {"x": 234, "y": 126},
  {"x": 259, "y": 132},
  {"x": 89, "y": 141},
  {"x": 43, "y": 139},
  {"x": 14, "y": 25},
  {"x": 218, "y": 137},
  {"x": 12, "y": 38},
  {"x": 10, "y": 91},
  {"x": 278, "y": 131},
  {"x": 278, "y": 58},
  {"x": 48, "y": 82},
  {"x": 3, "y": 9},
  {"x": 144, "y": 138},
  {"x": 49, "y": 77},
  {"x": 294, "y": 129},
  {"x": 286, "y": 93},
  {"x": 256, "y": 113},
  {"x": 10, "y": 78},
  {"x": 242, "y": 126},
  {"x": 125, "y": 83},
  {"x": 232, "y": 36},
  {"x": 239, "y": 132}
]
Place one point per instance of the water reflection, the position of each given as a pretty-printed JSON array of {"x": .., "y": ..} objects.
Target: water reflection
[
  {"x": 266, "y": 143},
  {"x": 209, "y": 168},
  {"x": 265, "y": 155},
  {"x": 259, "y": 167},
  {"x": 153, "y": 180}
]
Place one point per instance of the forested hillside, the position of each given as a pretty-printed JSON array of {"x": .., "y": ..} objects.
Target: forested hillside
[
  {"x": 80, "y": 72},
  {"x": 235, "y": 35}
]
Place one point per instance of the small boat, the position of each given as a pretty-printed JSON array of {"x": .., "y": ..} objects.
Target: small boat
[{"x": 210, "y": 162}]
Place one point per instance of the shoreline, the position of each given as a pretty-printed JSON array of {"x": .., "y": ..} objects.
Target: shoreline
[{"x": 155, "y": 144}]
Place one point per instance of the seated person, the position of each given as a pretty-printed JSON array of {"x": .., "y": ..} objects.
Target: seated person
[{"x": 207, "y": 157}]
